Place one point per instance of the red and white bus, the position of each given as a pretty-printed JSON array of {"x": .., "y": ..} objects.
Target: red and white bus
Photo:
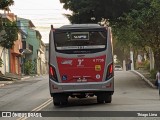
[{"x": 81, "y": 63}]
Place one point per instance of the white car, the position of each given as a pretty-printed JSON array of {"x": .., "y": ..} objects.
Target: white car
[{"x": 118, "y": 67}]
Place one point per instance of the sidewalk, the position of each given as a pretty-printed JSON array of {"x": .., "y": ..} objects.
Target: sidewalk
[
  {"x": 145, "y": 75},
  {"x": 9, "y": 79}
]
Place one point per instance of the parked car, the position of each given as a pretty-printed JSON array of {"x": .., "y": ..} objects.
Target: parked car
[{"x": 118, "y": 67}]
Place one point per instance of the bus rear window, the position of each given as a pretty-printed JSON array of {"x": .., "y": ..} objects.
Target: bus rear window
[{"x": 80, "y": 42}]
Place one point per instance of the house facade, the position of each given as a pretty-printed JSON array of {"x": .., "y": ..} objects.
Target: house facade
[
  {"x": 7, "y": 55},
  {"x": 14, "y": 53},
  {"x": 41, "y": 66},
  {"x": 15, "y": 56},
  {"x": 28, "y": 47},
  {"x": 33, "y": 47}
]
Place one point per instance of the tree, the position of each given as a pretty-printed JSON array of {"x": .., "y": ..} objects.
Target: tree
[
  {"x": 84, "y": 10},
  {"x": 144, "y": 23},
  {"x": 5, "y": 3},
  {"x": 8, "y": 29},
  {"x": 8, "y": 34}
]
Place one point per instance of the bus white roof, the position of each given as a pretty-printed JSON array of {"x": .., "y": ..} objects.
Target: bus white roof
[{"x": 82, "y": 26}]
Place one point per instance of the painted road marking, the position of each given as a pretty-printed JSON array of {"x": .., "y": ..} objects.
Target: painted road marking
[{"x": 45, "y": 104}]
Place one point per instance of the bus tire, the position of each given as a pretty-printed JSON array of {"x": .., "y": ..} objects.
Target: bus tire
[
  {"x": 56, "y": 103},
  {"x": 64, "y": 100},
  {"x": 100, "y": 99},
  {"x": 60, "y": 99},
  {"x": 108, "y": 99},
  {"x": 64, "y": 103}
]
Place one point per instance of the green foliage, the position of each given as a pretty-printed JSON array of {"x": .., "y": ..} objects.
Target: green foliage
[
  {"x": 140, "y": 27},
  {"x": 10, "y": 29},
  {"x": 1, "y": 62},
  {"x": 28, "y": 67},
  {"x": 145, "y": 65},
  {"x": 11, "y": 34},
  {"x": 5, "y": 3},
  {"x": 34, "y": 66},
  {"x": 153, "y": 74},
  {"x": 84, "y": 10},
  {"x": 144, "y": 21}
]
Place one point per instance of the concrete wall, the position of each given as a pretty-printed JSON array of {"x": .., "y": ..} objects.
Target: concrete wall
[{"x": 5, "y": 59}]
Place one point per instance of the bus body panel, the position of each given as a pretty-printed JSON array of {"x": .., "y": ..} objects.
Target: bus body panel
[
  {"x": 90, "y": 87},
  {"x": 75, "y": 70},
  {"x": 78, "y": 73}
]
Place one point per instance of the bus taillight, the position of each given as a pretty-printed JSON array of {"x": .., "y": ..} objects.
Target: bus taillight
[
  {"x": 109, "y": 71},
  {"x": 52, "y": 73}
]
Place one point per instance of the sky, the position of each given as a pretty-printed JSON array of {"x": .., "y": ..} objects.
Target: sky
[{"x": 42, "y": 13}]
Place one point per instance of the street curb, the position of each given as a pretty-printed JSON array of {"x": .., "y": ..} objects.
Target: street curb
[
  {"x": 145, "y": 79},
  {"x": 25, "y": 78},
  {"x": 4, "y": 84},
  {"x": 1, "y": 85}
]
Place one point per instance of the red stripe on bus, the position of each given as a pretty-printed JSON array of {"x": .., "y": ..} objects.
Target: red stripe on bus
[{"x": 81, "y": 69}]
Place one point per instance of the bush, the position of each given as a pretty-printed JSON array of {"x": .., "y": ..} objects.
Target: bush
[
  {"x": 145, "y": 65},
  {"x": 153, "y": 74},
  {"x": 28, "y": 66},
  {"x": 1, "y": 62}
]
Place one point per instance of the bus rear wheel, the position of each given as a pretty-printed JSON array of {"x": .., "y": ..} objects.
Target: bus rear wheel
[
  {"x": 108, "y": 99},
  {"x": 100, "y": 99},
  {"x": 56, "y": 103},
  {"x": 60, "y": 99},
  {"x": 104, "y": 97}
]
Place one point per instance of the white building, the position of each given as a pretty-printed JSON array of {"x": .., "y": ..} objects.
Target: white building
[
  {"x": 41, "y": 61},
  {"x": 4, "y": 54}
]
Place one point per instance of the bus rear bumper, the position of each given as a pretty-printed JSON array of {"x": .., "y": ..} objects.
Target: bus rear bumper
[{"x": 91, "y": 87}]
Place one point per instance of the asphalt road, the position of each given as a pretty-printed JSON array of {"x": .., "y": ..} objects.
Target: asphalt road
[
  {"x": 131, "y": 94},
  {"x": 24, "y": 95}
]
